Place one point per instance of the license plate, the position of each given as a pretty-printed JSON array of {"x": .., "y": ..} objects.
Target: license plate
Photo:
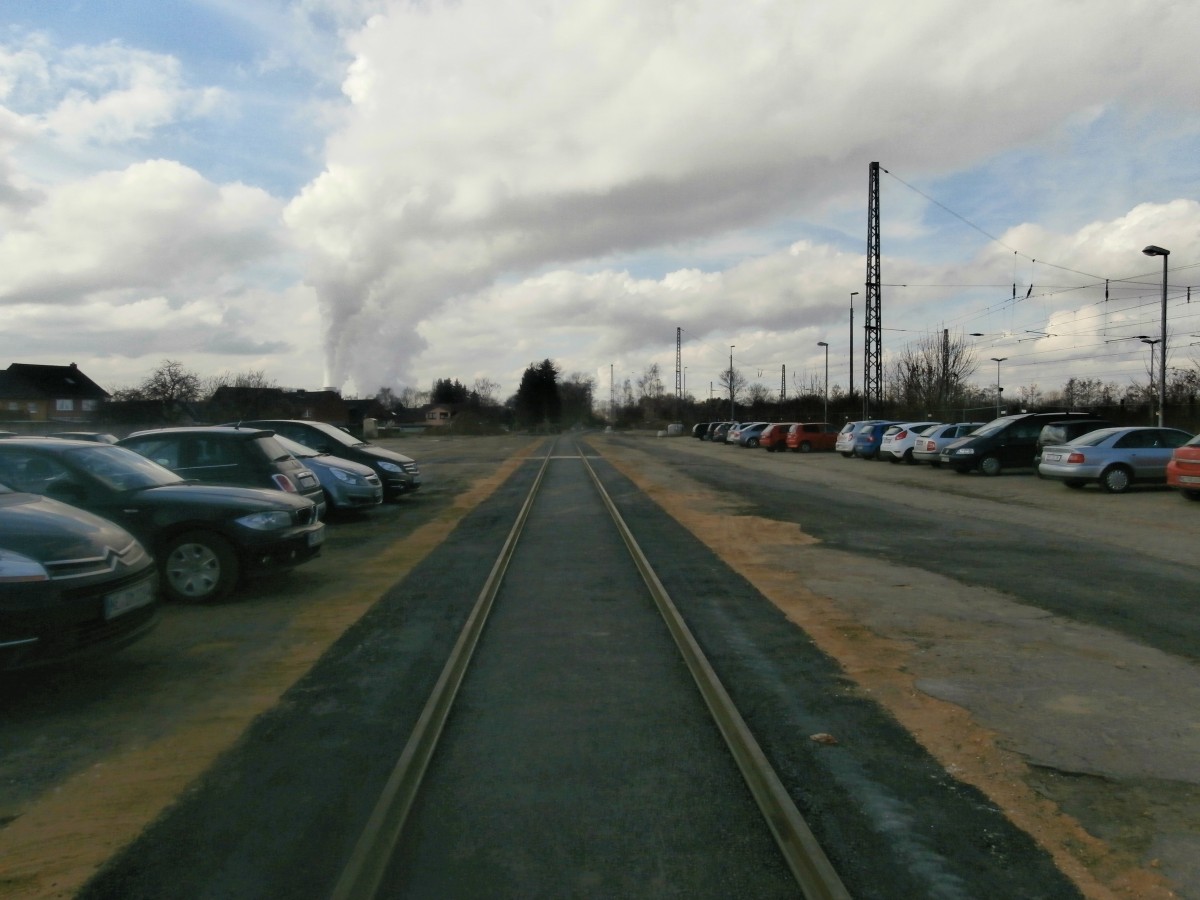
[
  {"x": 123, "y": 601},
  {"x": 1052, "y": 457},
  {"x": 1189, "y": 479},
  {"x": 316, "y": 538}
]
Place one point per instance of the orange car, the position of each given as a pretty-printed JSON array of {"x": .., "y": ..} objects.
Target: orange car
[
  {"x": 774, "y": 436},
  {"x": 1183, "y": 470},
  {"x": 805, "y": 437}
]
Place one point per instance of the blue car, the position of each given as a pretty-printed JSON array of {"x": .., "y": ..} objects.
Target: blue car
[{"x": 869, "y": 438}]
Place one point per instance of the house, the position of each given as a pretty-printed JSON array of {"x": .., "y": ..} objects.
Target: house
[
  {"x": 438, "y": 415},
  {"x": 36, "y": 393}
]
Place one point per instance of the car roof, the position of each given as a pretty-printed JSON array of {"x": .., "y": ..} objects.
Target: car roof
[{"x": 227, "y": 430}]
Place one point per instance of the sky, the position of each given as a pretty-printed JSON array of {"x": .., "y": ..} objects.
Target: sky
[{"x": 378, "y": 193}]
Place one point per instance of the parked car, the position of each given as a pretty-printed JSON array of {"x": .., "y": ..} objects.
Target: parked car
[
  {"x": 774, "y": 436},
  {"x": 1115, "y": 457},
  {"x": 734, "y": 435},
  {"x": 399, "y": 473},
  {"x": 71, "y": 583},
  {"x": 98, "y": 436},
  {"x": 700, "y": 430},
  {"x": 846, "y": 437},
  {"x": 1004, "y": 443},
  {"x": 898, "y": 440},
  {"x": 805, "y": 437},
  {"x": 930, "y": 441},
  {"x": 711, "y": 433},
  {"x": 1183, "y": 471},
  {"x": 748, "y": 435},
  {"x": 720, "y": 434},
  {"x": 869, "y": 438},
  {"x": 214, "y": 454},
  {"x": 347, "y": 485},
  {"x": 204, "y": 537},
  {"x": 1064, "y": 432}
]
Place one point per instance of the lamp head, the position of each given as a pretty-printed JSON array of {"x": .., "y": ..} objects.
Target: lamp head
[
  {"x": 822, "y": 344},
  {"x": 1156, "y": 251}
]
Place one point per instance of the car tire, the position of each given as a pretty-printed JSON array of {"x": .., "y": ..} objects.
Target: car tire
[
  {"x": 907, "y": 459},
  {"x": 806, "y": 447},
  {"x": 753, "y": 442},
  {"x": 990, "y": 465},
  {"x": 1190, "y": 495},
  {"x": 198, "y": 566},
  {"x": 847, "y": 455},
  {"x": 1115, "y": 480}
]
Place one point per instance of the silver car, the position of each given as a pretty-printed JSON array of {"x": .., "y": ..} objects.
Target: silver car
[
  {"x": 1114, "y": 457},
  {"x": 929, "y": 443}
]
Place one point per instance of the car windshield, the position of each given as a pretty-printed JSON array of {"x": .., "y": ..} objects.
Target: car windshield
[
  {"x": 120, "y": 469},
  {"x": 932, "y": 429},
  {"x": 295, "y": 448},
  {"x": 342, "y": 437},
  {"x": 993, "y": 426}
]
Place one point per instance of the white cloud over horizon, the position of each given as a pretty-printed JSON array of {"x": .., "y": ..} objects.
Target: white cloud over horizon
[{"x": 508, "y": 181}]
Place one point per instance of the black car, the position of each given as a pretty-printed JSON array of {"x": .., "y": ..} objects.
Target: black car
[
  {"x": 1004, "y": 443},
  {"x": 205, "y": 537},
  {"x": 247, "y": 457},
  {"x": 71, "y": 583},
  {"x": 400, "y": 474}
]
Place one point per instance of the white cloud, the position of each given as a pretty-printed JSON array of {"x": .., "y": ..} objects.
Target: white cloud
[{"x": 490, "y": 143}]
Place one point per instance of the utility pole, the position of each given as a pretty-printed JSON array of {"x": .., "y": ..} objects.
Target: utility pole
[
  {"x": 732, "y": 417},
  {"x": 873, "y": 361},
  {"x": 678, "y": 370}
]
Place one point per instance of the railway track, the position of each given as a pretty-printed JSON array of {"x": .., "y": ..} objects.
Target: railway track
[{"x": 568, "y": 749}]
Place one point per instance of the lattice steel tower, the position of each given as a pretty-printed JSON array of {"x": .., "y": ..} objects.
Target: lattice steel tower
[{"x": 873, "y": 355}]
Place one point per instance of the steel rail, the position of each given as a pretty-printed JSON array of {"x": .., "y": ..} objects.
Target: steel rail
[
  {"x": 815, "y": 875},
  {"x": 361, "y": 878}
]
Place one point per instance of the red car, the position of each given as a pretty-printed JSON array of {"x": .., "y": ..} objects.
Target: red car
[
  {"x": 1183, "y": 471},
  {"x": 774, "y": 436},
  {"x": 805, "y": 437}
]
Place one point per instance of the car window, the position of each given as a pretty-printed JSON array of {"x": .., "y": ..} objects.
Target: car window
[
  {"x": 163, "y": 450},
  {"x": 1174, "y": 438},
  {"x": 26, "y": 470},
  {"x": 119, "y": 468},
  {"x": 1096, "y": 438},
  {"x": 1135, "y": 439}
]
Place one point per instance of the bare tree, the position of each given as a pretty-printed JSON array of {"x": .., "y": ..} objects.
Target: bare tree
[
  {"x": 171, "y": 383},
  {"x": 485, "y": 389},
  {"x": 931, "y": 374}
]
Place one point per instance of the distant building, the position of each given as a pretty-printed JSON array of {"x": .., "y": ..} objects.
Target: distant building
[{"x": 36, "y": 393}]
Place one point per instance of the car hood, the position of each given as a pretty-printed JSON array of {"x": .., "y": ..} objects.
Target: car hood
[
  {"x": 217, "y": 495},
  {"x": 46, "y": 530},
  {"x": 381, "y": 453}
]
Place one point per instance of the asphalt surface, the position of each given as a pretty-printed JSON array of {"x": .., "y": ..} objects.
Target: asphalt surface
[{"x": 277, "y": 815}]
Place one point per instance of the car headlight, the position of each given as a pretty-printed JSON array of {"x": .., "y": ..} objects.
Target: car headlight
[
  {"x": 390, "y": 466},
  {"x": 15, "y": 568},
  {"x": 268, "y": 520},
  {"x": 965, "y": 451},
  {"x": 343, "y": 475}
]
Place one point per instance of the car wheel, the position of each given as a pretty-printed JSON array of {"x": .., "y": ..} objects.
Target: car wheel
[
  {"x": 989, "y": 465},
  {"x": 806, "y": 447},
  {"x": 1116, "y": 480},
  {"x": 847, "y": 455},
  {"x": 200, "y": 566},
  {"x": 908, "y": 458},
  {"x": 753, "y": 442},
  {"x": 1191, "y": 495},
  {"x": 1074, "y": 483}
]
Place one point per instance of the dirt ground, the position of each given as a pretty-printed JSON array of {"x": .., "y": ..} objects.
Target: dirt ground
[{"x": 90, "y": 756}]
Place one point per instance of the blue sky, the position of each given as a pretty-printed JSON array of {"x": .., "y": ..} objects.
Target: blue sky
[{"x": 368, "y": 193}]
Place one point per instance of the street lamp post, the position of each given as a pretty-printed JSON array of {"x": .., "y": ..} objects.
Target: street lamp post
[
  {"x": 1162, "y": 351},
  {"x": 732, "y": 417},
  {"x": 1152, "y": 341},
  {"x": 826, "y": 346},
  {"x": 997, "y": 361},
  {"x": 853, "y": 294}
]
